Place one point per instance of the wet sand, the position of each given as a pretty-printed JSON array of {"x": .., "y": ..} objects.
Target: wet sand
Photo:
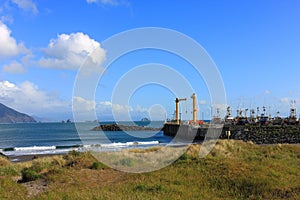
[{"x": 24, "y": 158}]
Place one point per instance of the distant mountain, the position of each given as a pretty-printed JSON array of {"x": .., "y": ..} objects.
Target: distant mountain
[{"x": 9, "y": 115}]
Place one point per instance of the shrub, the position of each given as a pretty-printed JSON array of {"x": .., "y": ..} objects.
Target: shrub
[
  {"x": 33, "y": 172},
  {"x": 183, "y": 158},
  {"x": 126, "y": 162},
  {"x": 98, "y": 165},
  {"x": 29, "y": 174},
  {"x": 74, "y": 153}
]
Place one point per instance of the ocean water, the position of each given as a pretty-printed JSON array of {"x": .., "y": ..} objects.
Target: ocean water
[{"x": 56, "y": 138}]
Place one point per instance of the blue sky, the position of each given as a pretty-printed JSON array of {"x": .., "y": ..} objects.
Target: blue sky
[{"x": 255, "y": 45}]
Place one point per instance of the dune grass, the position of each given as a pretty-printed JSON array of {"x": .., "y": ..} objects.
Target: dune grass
[{"x": 233, "y": 170}]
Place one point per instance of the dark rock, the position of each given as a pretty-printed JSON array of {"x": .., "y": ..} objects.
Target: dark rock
[
  {"x": 264, "y": 134},
  {"x": 2, "y": 155}
]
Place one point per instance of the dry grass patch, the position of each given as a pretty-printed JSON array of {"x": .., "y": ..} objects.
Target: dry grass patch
[
  {"x": 3, "y": 161},
  {"x": 147, "y": 150},
  {"x": 233, "y": 170}
]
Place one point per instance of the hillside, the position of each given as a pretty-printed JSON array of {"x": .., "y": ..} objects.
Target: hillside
[{"x": 9, "y": 115}]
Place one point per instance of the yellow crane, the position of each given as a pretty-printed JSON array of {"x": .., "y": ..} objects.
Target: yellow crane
[{"x": 177, "y": 100}]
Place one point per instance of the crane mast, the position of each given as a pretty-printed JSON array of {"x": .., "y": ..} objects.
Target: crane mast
[
  {"x": 177, "y": 100},
  {"x": 195, "y": 109}
]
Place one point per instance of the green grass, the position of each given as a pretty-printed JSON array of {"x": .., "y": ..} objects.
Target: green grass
[{"x": 233, "y": 170}]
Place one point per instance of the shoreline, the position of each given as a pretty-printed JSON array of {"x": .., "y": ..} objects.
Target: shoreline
[
  {"x": 25, "y": 158},
  {"x": 31, "y": 157}
]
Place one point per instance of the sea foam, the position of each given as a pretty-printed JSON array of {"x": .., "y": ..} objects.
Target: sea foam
[{"x": 35, "y": 148}]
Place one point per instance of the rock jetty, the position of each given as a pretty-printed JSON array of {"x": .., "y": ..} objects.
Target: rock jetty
[
  {"x": 119, "y": 127},
  {"x": 264, "y": 134},
  {"x": 258, "y": 134}
]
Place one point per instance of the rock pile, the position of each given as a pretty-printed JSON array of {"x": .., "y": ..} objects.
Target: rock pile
[{"x": 264, "y": 134}]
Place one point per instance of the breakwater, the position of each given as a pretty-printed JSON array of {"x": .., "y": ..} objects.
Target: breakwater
[
  {"x": 258, "y": 134},
  {"x": 264, "y": 134}
]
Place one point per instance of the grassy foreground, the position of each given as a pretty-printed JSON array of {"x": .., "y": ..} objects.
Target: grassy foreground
[{"x": 233, "y": 170}]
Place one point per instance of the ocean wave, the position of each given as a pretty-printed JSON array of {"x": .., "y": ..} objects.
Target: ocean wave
[
  {"x": 39, "y": 150},
  {"x": 121, "y": 144},
  {"x": 35, "y": 148}
]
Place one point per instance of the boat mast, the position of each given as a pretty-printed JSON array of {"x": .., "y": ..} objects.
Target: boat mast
[{"x": 293, "y": 109}]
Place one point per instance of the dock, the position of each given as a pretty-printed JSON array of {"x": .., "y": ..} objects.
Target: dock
[{"x": 258, "y": 134}]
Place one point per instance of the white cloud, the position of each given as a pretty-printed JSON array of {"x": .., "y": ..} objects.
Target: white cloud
[
  {"x": 157, "y": 112},
  {"x": 14, "y": 67},
  {"x": 113, "y": 111},
  {"x": 27, "y": 97},
  {"x": 84, "y": 110},
  {"x": 202, "y": 102},
  {"x": 121, "y": 109},
  {"x": 107, "y": 107},
  {"x": 108, "y": 2},
  {"x": 105, "y": 103},
  {"x": 91, "y": 1},
  {"x": 141, "y": 109},
  {"x": 285, "y": 100},
  {"x": 266, "y": 92},
  {"x": 7, "y": 18},
  {"x": 82, "y": 105},
  {"x": 8, "y": 45},
  {"x": 70, "y": 51},
  {"x": 26, "y": 5}
]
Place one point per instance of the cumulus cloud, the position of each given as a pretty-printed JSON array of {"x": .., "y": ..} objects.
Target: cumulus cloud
[
  {"x": 82, "y": 105},
  {"x": 107, "y": 107},
  {"x": 107, "y": 110},
  {"x": 8, "y": 45},
  {"x": 70, "y": 51},
  {"x": 14, "y": 67},
  {"x": 26, "y": 5},
  {"x": 27, "y": 97}
]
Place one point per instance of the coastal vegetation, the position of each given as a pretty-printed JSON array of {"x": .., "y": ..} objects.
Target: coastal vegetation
[{"x": 233, "y": 170}]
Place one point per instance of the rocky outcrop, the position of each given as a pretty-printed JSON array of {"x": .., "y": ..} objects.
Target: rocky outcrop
[
  {"x": 118, "y": 127},
  {"x": 2, "y": 155},
  {"x": 9, "y": 115}
]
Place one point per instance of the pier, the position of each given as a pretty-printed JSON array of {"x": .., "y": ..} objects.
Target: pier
[
  {"x": 262, "y": 129},
  {"x": 269, "y": 134}
]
